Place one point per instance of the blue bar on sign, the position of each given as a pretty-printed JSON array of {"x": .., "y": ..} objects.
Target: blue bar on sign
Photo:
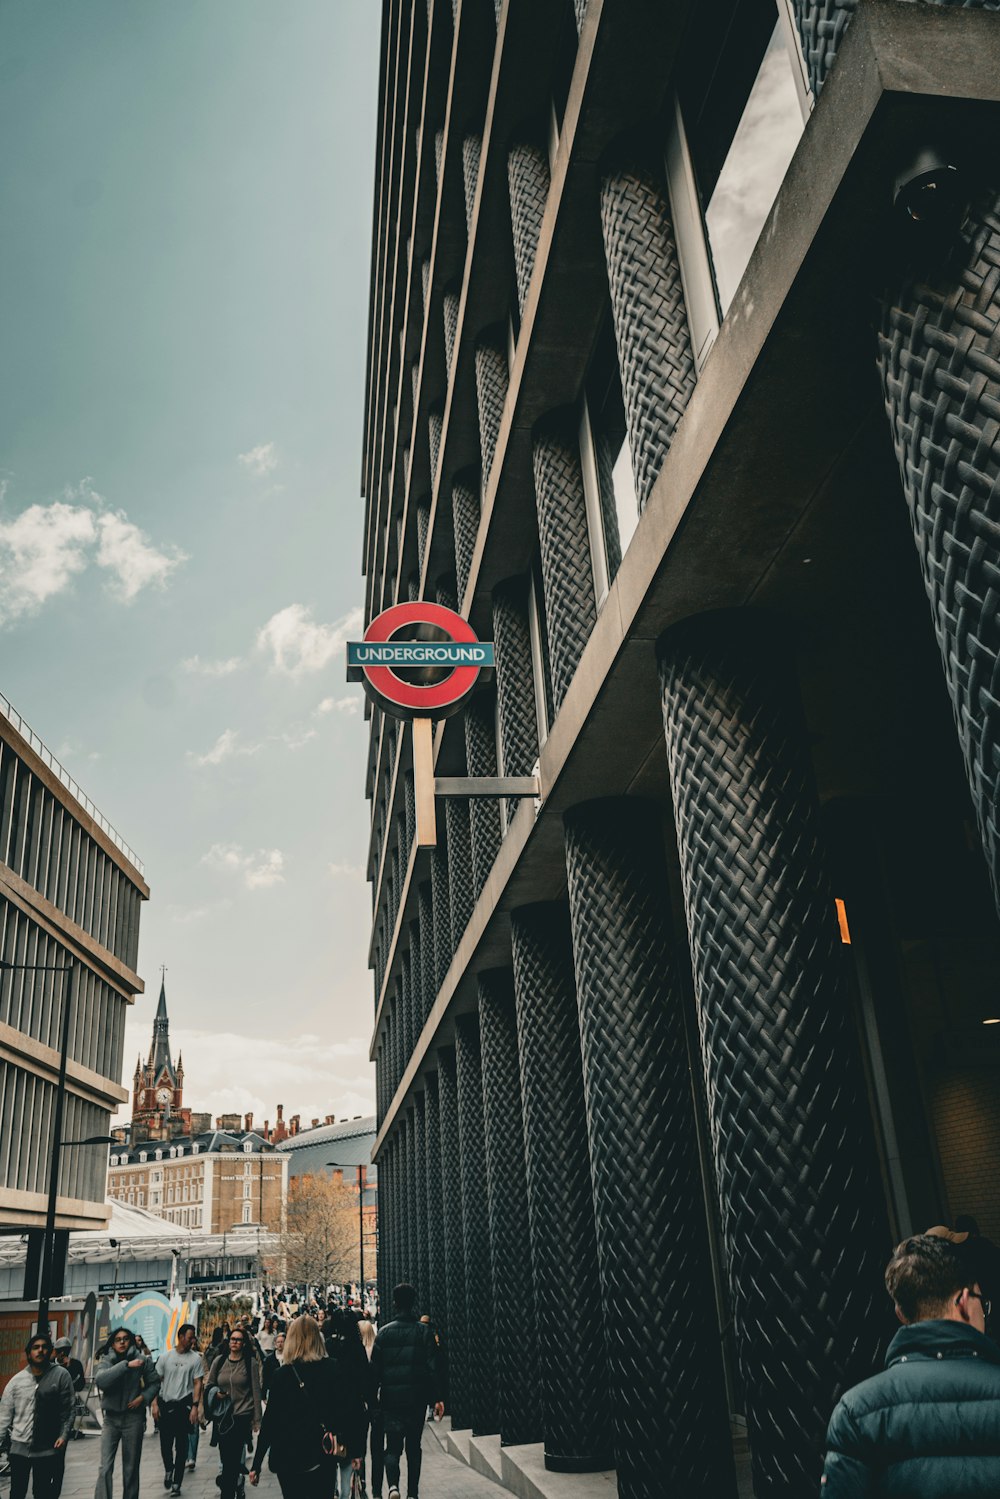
[{"x": 390, "y": 653}]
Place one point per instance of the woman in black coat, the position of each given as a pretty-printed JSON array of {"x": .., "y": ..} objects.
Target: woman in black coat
[{"x": 310, "y": 1405}]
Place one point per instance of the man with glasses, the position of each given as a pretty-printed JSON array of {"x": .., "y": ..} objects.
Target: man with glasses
[
  {"x": 128, "y": 1382},
  {"x": 928, "y": 1426},
  {"x": 36, "y": 1416}
]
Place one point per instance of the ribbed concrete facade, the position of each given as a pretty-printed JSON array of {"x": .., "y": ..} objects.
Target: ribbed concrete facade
[
  {"x": 70, "y": 891},
  {"x": 633, "y": 406}
]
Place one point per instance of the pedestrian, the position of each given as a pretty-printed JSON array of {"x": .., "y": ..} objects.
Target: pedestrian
[
  {"x": 177, "y": 1406},
  {"x": 272, "y": 1363},
  {"x": 36, "y": 1418},
  {"x": 927, "y": 1426},
  {"x": 376, "y": 1431},
  {"x": 62, "y": 1348},
  {"x": 265, "y": 1338},
  {"x": 309, "y": 1415},
  {"x": 128, "y": 1382},
  {"x": 405, "y": 1379},
  {"x": 352, "y": 1375},
  {"x": 234, "y": 1374}
]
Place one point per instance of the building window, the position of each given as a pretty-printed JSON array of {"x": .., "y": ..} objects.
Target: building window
[
  {"x": 541, "y": 677},
  {"x": 606, "y": 463},
  {"x": 247, "y": 1146},
  {"x": 142, "y": 1157},
  {"x": 195, "y": 1149},
  {"x": 246, "y": 1212}
]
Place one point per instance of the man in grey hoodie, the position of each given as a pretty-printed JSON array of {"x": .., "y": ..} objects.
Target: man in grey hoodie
[
  {"x": 128, "y": 1382},
  {"x": 36, "y": 1417}
]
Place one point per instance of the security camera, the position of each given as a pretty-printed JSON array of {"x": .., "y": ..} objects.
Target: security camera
[{"x": 929, "y": 189}]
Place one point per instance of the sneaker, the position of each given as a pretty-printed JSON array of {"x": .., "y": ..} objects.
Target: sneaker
[
  {"x": 175, "y": 1491},
  {"x": 190, "y": 1467},
  {"x": 168, "y": 1479},
  {"x": 393, "y": 1494}
]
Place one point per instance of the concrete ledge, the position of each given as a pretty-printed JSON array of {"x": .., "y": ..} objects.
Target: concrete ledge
[
  {"x": 484, "y": 1456},
  {"x": 456, "y": 1443},
  {"x": 524, "y": 1473}
]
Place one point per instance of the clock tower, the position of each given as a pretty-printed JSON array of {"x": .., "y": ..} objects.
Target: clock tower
[{"x": 158, "y": 1111}]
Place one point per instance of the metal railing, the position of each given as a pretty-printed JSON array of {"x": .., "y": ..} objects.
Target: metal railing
[{"x": 44, "y": 754}]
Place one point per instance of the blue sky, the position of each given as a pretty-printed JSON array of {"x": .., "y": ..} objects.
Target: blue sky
[{"x": 187, "y": 189}]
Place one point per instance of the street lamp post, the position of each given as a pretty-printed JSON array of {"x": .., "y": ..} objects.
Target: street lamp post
[{"x": 340, "y": 1166}]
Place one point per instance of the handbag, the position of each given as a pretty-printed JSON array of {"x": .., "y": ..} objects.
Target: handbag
[
  {"x": 359, "y": 1489},
  {"x": 330, "y": 1443}
]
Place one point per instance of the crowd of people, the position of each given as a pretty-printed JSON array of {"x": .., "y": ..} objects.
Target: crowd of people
[
  {"x": 313, "y": 1386},
  {"x": 329, "y": 1398}
]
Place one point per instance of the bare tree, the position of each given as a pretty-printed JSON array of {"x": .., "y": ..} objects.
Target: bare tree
[{"x": 320, "y": 1244}]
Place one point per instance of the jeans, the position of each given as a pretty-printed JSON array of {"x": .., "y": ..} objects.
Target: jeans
[
  {"x": 175, "y": 1428},
  {"x": 343, "y": 1470},
  {"x": 377, "y": 1450},
  {"x": 232, "y": 1450},
  {"x": 193, "y": 1437},
  {"x": 124, "y": 1428},
  {"x": 47, "y": 1475},
  {"x": 399, "y": 1430}
]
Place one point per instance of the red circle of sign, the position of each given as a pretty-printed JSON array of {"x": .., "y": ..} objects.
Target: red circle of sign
[{"x": 410, "y": 695}]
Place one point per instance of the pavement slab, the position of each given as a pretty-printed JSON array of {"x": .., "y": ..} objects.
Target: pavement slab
[{"x": 443, "y": 1477}]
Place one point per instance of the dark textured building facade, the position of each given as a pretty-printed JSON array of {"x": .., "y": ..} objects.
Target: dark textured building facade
[
  {"x": 676, "y": 405},
  {"x": 71, "y": 891}
]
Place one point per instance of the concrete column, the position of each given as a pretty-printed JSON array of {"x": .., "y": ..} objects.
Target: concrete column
[
  {"x": 428, "y": 986},
  {"x": 472, "y": 150},
  {"x": 655, "y": 357},
  {"x": 460, "y": 875},
  {"x": 454, "y": 1243},
  {"x": 528, "y": 178},
  {"x": 449, "y": 308},
  {"x": 441, "y": 904},
  {"x": 666, "y": 1375},
  {"x": 575, "y": 1400},
  {"x": 423, "y": 1281},
  {"x": 484, "y": 815},
  {"x": 802, "y": 1209},
  {"x": 465, "y": 516},
  {"x": 515, "y": 1292},
  {"x": 437, "y": 1267},
  {"x": 492, "y": 377},
  {"x": 515, "y": 681},
  {"x": 937, "y": 354},
  {"x": 564, "y": 537},
  {"x": 482, "y": 1366}
]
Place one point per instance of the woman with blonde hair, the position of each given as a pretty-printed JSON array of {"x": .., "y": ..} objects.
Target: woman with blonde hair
[{"x": 309, "y": 1416}]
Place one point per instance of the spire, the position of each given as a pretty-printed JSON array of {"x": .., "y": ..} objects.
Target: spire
[{"x": 159, "y": 1051}]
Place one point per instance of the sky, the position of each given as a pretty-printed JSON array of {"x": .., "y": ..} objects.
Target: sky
[{"x": 184, "y": 268}]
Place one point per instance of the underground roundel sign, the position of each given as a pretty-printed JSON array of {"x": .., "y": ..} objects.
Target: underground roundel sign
[{"x": 418, "y": 660}]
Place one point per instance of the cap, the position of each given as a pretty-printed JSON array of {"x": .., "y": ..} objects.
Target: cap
[{"x": 940, "y": 1232}]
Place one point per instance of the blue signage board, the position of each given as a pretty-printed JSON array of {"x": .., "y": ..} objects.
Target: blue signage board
[{"x": 403, "y": 653}]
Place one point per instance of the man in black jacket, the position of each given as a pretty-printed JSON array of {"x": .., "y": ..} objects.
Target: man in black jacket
[
  {"x": 404, "y": 1376},
  {"x": 928, "y": 1426}
]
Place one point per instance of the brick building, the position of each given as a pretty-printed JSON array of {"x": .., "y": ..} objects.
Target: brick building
[{"x": 210, "y": 1183}]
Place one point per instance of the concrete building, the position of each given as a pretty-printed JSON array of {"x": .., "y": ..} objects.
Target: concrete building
[
  {"x": 70, "y": 894},
  {"x": 210, "y": 1183},
  {"x": 663, "y": 387}
]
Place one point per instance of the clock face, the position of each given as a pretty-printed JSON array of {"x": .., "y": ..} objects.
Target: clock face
[
  {"x": 142, "y": 1096},
  {"x": 163, "y": 1095}
]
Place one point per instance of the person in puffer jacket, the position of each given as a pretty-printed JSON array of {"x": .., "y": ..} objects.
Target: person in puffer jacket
[
  {"x": 128, "y": 1382},
  {"x": 928, "y": 1426}
]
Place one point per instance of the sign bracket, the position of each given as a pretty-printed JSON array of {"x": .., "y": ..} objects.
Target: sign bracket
[{"x": 427, "y": 786}]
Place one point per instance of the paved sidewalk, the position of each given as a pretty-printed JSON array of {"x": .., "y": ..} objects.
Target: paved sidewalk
[{"x": 443, "y": 1477}]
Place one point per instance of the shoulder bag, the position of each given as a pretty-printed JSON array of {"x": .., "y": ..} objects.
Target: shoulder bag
[{"x": 330, "y": 1444}]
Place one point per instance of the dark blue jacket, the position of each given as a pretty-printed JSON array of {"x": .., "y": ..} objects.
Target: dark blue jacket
[{"x": 927, "y": 1427}]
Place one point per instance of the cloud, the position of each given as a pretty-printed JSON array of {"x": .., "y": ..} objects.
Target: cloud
[
  {"x": 45, "y": 547},
  {"x": 258, "y": 870},
  {"x": 348, "y": 704},
  {"x": 298, "y": 645},
  {"x": 134, "y": 562},
  {"x": 346, "y": 871},
  {"x": 233, "y": 1072},
  {"x": 261, "y": 460},
  {"x": 191, "y": 915},
  {"x": 297, "y": 738},
  {"x": 223, "y": 668},
  {"x": 225, "y": 747}
]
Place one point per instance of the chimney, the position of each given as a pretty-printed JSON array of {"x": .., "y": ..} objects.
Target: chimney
[
  {"x": 267, "y": 1129},
  {"x": 248, "y": 1122},
  {"x": 294, "y": 1121},
  {"x": 330, "y": 1119},
  {"x": 281, "y": 1112},
  {"x": 315, "y": 1123}
]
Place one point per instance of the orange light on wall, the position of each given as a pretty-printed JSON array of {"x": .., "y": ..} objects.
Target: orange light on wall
[
  {"x": 845, "y": 931},
  {"x": 994, "y": 1020}
]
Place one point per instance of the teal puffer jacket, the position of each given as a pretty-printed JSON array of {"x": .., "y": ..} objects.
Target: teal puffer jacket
[{"x": 927, "y": 1427}]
